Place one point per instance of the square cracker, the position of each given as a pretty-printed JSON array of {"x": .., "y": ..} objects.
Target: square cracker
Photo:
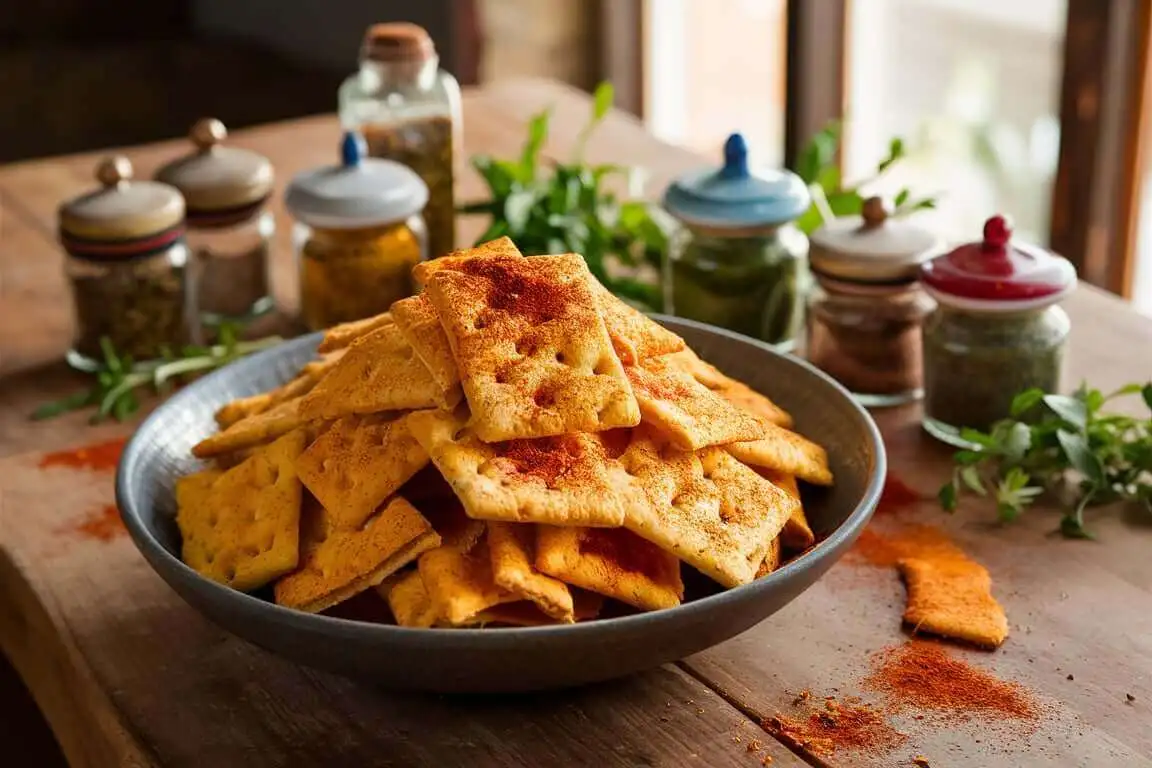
[
  {"x": 460, "y": 585},
  {"x": 301, "y": 384},
  {"x": 635, "y": 336},
  {"x": 511, "y": 547},
  {"x": 242, "y": 529},
  {"x": 358, "y": 463},
  {"x": 797, "y": 534},
  {"x": 339, "y": 562},
  {"x": 418, "y": 321},
  {"x": 534, "y": 356},
  {"x": 687, "y": 412},
  {"x": 613, "y": 562},
  {"x": 253, "y": 430},
  {"x": 408, "y": 600},
  {"x": 379, "y": 372},
  {"x": 341, "y": 336},
  {"x": 500, "y": 247},
  {"x": 785, "y": 451},
  {"x": 706, "y": 508},
  {"x": 952, "y": 597},
  {"x": 736, "y": 392},
  {"x": 561, "y": 480}
]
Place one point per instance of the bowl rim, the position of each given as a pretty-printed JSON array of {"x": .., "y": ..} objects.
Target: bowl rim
[{"x": 175, "y": 568}]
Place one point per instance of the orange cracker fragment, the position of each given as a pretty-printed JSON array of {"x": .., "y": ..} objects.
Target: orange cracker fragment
[
  {"x": 771, "y": 560},
  {"x": 418, "y": 321},
  {"x": 341, "y": 336},
  {"x": 456, "y": 529},
  {"x": 613, "y": 562},
  {"x": 337, "y": 563},
  {"x": 408, "y": 600},
  {"x": 797, "y": 534},
  {"x": 460, "y": 585},
  {"x": 511, "y": 547},
  {"x": 561, "y": 480},
  {"x": 253, "y": 430},
  {"x": 635, "y": 336},
  {"x": 736, "y": 392},
  {"x": 952, "y": 597},
  {"x": 534, "y": 355},
  {"x": 525, "y": 613},
  {"x": 358, "y": 463}
]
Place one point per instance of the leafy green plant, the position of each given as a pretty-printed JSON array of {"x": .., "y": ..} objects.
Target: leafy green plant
[{"x": 1065, "y": 445}]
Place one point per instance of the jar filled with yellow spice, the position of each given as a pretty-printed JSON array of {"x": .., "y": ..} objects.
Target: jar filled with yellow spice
[{"x": 358, "y": 234}]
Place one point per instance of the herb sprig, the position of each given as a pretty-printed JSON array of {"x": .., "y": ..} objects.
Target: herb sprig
[
  {"x": 118, "y": 379},
  {"x": 1064, "y": 445}
]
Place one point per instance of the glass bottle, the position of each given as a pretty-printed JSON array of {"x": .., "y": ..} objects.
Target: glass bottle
[
  {"x": 996, "y": 332},
  {"x": 737, "y": 262},
  {"x": 867, "y": 308},
  {"x": 358, "y": 235},
  {"x": 230, "y": 230},
  {"x": 126, "y": 266},
  {"x": 409, "y": 110}
]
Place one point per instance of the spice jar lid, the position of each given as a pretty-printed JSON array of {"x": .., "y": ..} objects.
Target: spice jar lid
[
  {"x": 734, "y": 197},
  {"x": 124, "y": 218},
  {"x": 871, "y": 247},
  {"x": 360, "y": 192},
  {"x": 397, "y": 41},
  {"x": 221, "y": 185},
  {"x": 998, "y": 274}
]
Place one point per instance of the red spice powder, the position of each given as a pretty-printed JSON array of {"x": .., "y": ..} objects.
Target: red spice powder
[
  {"x": 516, "y": 285},
  {"x": 101, "y": 457},
  {"x": 103, "y": 524},
  {"x": 838, "y": 726},
  {"x": 886, "y": 547},
  {"x": 896, "y": 496},
  {"x": 669, "y": 385},
  {"x": 546, "y": 458}
]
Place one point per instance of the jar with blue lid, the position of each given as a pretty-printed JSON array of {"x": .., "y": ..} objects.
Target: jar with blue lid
[{"x": 738, "y": 262}]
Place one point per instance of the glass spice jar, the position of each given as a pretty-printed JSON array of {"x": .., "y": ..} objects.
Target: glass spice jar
[
  {"x": 230, "y": 230},
  {"x": 737, "y": 262},
  {"x": 126, "y": 267},
  {"x": 867, "y": 309},
  {"x": 409, "y": 110},
  {"x": 357, "y": 237},
  {"x": 996, "y": 332}
]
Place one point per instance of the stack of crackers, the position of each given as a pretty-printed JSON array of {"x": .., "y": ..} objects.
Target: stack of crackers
[{"x": 511, "y": 446}]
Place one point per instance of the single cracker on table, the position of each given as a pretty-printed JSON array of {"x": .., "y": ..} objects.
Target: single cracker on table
[
  {"x": 337, "y": 562},
  {"x": 460, "y": 585},
  {"x": 613, "y": 562},
  {"x": 952, "y": 597},
  {"x": 341, "y": 336},
  {"x": 242, "y": 527},
  {"x": 797, "y": 534},
  {"x": 561, "y": 480},
  {"x": 512, "y": 550},
  {"x": 736, "y": 392},
  {"x": 358, "y": 463},
  {"x": 418, "y": 321},
  {"x": 253, "y": 430},
  {"x": 534, "y": 355},
  {"x": 785, "y": 451}
]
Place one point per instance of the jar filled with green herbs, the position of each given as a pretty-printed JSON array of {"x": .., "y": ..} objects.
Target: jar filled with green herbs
[
  {"x": 409, "y": 111},
  {"x": 997, "y": 330},
  {"x": 737, "y": 261},
  {"x": 126, "y": 267}
]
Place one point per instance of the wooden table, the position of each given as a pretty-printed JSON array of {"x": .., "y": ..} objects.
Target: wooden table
[{"x": 128, "y": 675}]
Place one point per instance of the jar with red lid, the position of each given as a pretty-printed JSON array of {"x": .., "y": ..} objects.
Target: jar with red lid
[{"x": 997, "y": 329}]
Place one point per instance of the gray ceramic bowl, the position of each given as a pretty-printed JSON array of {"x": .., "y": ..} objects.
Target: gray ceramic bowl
[{"x": 498, "y": 660}]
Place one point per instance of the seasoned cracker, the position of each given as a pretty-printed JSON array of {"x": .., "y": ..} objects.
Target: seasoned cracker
[
  {"x": 525, "y": 613},
  {"x": 736, "y": 392},
  {"x": 785, "y": 451},
  {"x": 418, "y": 321},
  {"x": 338, "y": 562},
  {"x": 771, "y": 560},
  {"x": 561, "y": 480},
  {"x": 253, "y": 430},
  {"x": 460, "y": 585},
  {"x": 408, "y": 600},
  {"x": 534, "y": 355},
  {"x": 358, "y": 463},
  {"x": 952, "y": 597},
  {"x": 501, "y": 247},
  {"x": 512, "y": 549},
  {"x": 298, "y": 386},
  {"x": 341, "y": 336},
  {"x": 797, "y": 534},
  {"x": 635, "y": 336},
  {"x": 613, "y": 562}
]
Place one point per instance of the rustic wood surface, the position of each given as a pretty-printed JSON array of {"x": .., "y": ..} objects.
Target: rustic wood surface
[{"x": 127, "y": 674}]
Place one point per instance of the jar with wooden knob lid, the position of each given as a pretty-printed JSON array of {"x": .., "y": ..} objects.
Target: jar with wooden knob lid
[
  {"x": 127, "y": 267},
  {"x": 230, "y": 229}
]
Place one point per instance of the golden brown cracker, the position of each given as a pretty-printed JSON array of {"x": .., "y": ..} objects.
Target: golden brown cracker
[
  {"x": 501, "y": 247},
  {"x": 533, "y": 353},
  {"x": 561, "y": 480},
  {"x": 300, "y": 385},
  {"x": 341, "y": 336},
  {"x": 613, "y": 562},
  {"x": 512, "y": 550},
  {"x": 525, "y": 613},
  {"x": 418, "y": 321},
  {"x": 408, "y": 600},
  {"x": 785, "y": 451},
  {"x": 952, "y": 597},
  {"x": 736, "y": 392},
  {"x": 253, "y": 430},
  {"x": 771, "y": 560},
  {"x": 635, "y": 336},
  {"x": 460, "y": 585},
  {"x": 797, "y": 534}
]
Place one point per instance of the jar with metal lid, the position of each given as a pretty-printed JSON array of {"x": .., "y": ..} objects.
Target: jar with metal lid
[
  {"x": 230, "y": 230},
  {"x": 409, "y": 110},
  {"x": 867, "y": 309},
  {"x": 737, "y": 262},
  {"x": 357, "y": 237},
  {"x": 996, "y": 332},
  {"x": 126, "y": 266}
]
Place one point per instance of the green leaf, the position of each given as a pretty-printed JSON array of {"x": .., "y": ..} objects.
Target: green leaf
[
  {"x": 1016, "y": 441},
  {"x": 1026, "y": 401},
  {"x": 602, "y": 100},
  {"x": 1007, "y": 512},
  {"x": 70, "y": 403},
  {"x": 977, "y": 437},
  {"x": 1069, "y": 409},
  {"x": 1081, "y": 457},
  {"x": 829, "y": 178},
  {"x": 1146, "y": 393},
  {"x": 818, "y": 153},
  {"x": 965, "y": 458},
  {"x": 971, "y": 477},
  {"x": 1072, "y": 528},
  {"x": 537, "y": 135},
  {"x": 947, "y": 497},
  {"x": 901, "y": 198},
  {"x": 1014, "y": 480},
  {"x": 895, "y": 152}
]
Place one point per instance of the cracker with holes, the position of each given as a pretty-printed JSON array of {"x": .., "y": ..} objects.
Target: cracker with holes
[
  {"x": 358, "y": 463},
  {"x": 341, "y": 336},
  {"x": 379, "y": 372},
  {"x": 418, "y": 321},
  {"x": 253, "y": 430},
  {"x": 460, "y": 585},
  {"x": 408, "y": 600},
  {"x": 338, "y": 562},
  {"x": 534, "y": 355},
  {"x": 737, "y": 393},
  {"x": 684, "y": 410},
  {"x": 613, "y": 562},
  {"x": 512, "y": 548},
  {"x": 785, "y": 451},
  {"x": 952, "y": 597},
  {"x": 635, "y": 336},
  {"x": 706, "y": 508},
  {"x": 797, "y": 534},
  {"x": 242, "y": 529},
  {"x": 560, "y": 480},
  {"x": 501, "y": 247}
]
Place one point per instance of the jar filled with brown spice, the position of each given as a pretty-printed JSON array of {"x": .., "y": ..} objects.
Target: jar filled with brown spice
[{"x": 867, "y": 310}]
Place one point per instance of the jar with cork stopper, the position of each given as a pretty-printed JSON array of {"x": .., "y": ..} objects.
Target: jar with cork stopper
[
  {"x": 127, "y": 267},
  {"x": 409, "y": 111}
]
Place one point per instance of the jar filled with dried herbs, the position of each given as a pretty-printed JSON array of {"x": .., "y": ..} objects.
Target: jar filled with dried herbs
[
  {"x": 866, "y": 312},
  {"x": 357, "y": 237},
  {"x": 126, "y": 265},
  {"x": 408, "y": 110},
  {"x": 230, "y": 230},
  {"x": 996, "y": 332},
  {"x": 737, "y": 262}
]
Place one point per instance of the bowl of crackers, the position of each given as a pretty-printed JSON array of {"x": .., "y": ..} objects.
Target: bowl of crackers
[{"x": 510, "y": 481}]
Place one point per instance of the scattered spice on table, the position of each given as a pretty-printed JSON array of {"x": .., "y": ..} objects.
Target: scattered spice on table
[
  {"x": 754, "y": 745},
  {"x": 896, "y": 496},
  {"x": 838, "y": 726},
  {"x": 103, "y": 524},
  {"x": 100, "y": 457},
  {"x": 886, "y": 546}
]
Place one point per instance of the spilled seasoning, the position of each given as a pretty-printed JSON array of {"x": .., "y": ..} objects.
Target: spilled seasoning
[
  {"x": 100, "y": 457},
  {"x": 896, "y": 496},
  {"x": 103, "y": 524},
  {"x": 837, "y": 726},
  {"x": 886, "y": 547}
]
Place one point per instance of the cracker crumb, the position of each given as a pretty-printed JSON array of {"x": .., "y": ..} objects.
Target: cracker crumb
[
  {"x": 1129, "y": 698},
  {"x": 801, "y": 697},
  {"x": 1070, "y": 677},
  {"x": 754, "y": 745},
  {"x": 767, "y": 760},
  {"x": 921, "y": 762}
]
